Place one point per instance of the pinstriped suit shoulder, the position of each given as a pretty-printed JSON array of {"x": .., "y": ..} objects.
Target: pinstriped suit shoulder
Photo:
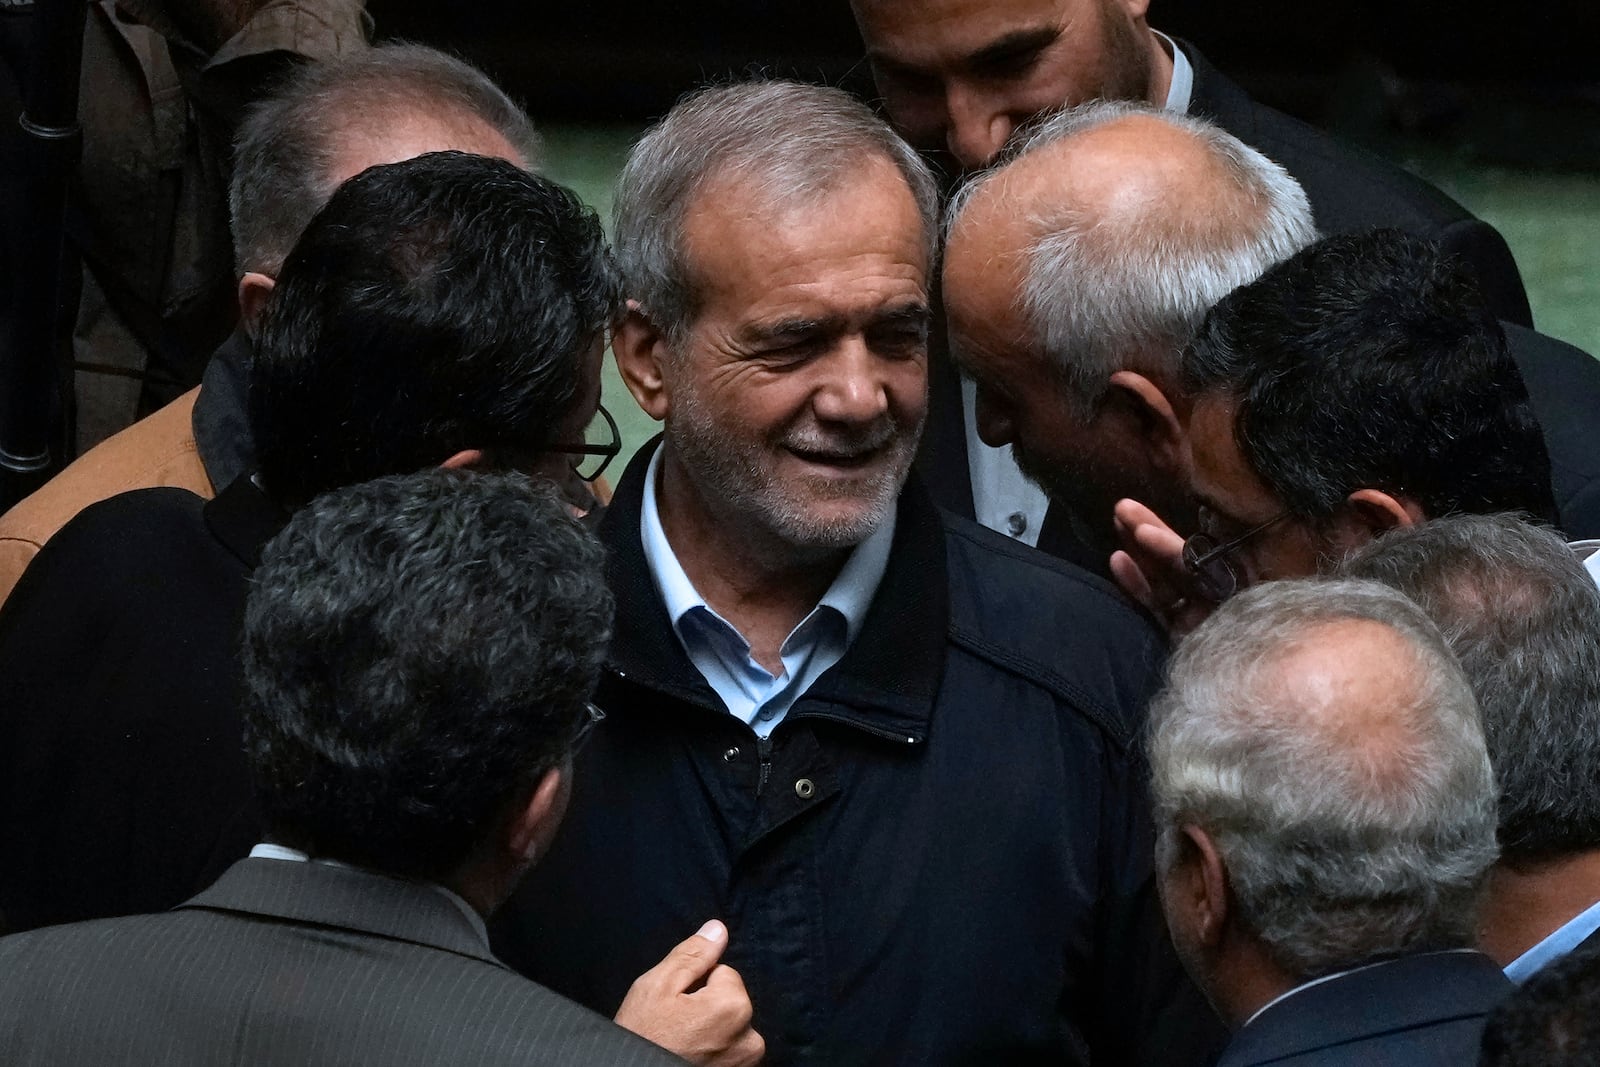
[{"x": 290, "y": 963}]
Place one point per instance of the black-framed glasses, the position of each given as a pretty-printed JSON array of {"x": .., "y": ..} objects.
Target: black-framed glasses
[
  {"x": 1214, "y": 576},
  {"x": 589, "y": 461},
  {"x": 592, "y": 717}
]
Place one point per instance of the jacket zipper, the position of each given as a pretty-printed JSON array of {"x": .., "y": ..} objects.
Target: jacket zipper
[{"x": 764, "y": 750}]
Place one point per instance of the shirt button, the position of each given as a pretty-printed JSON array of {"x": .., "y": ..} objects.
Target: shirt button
[
  {"x": 1017, "y": 524},
  {"x": 805, "y": 789},
  {"x": 766, "y": 714},
  {"x": 731, "y": 755}
]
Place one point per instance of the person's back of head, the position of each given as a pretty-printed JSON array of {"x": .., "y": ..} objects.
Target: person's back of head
[
  {"x": 443, "y": 304},
  {"x": 1131, "y": 223},
  {"x": 418, "y": 653},
  {"x": 1370, "y": 361},
  {"x": 323, "y": 119},
  {"x": 1319, "y": 739},
  {"x": 1523, "y": 616},
  {"x": 1553, "y": 1020}
]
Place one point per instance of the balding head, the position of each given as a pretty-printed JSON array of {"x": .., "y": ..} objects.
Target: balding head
[
  {"x": 1119, "y": 226},
  {"x": 329, "y": 121},
  {"x": 1096, "y": 251},
  {"x": 1324, "y": 739}
]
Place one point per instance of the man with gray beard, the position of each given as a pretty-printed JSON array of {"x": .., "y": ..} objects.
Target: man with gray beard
[{"x": 892, "y": 751}]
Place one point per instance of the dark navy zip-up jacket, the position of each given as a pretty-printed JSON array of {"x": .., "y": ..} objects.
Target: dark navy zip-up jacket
[{"x": 941, "y": 857}]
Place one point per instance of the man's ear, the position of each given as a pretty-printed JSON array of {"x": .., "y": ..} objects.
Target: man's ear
[
  {"x": 534, "y": 825},
  {"x": 1201, "y": 880},
  {"x": 641, "y": 351},
  {"x": 467, "y": 459},
  {"x": 254, "y": 288},
  {"x": 1155, "y": 421},
  {"x": 1375, "y": 512}
]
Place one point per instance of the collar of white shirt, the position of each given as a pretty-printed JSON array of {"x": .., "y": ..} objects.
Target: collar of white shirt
[{"x": 1180, "y": 92}]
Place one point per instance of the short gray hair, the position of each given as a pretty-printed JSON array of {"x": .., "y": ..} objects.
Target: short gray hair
[
  {"x": 285, "y": 147},
  {"x": 1092, "y": 292},
  {"x": 1336, "y": 852},
  {"x": 1524, "y": 619},
  {"x": 793, "y": 142}
]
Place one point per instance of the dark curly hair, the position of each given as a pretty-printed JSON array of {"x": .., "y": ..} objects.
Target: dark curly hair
[
  {"x": 1369, "y": 360},
  {"x": 418, "y": 651}
]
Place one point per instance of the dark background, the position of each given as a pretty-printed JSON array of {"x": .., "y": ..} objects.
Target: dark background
[{"x": 1515, "y": 83}]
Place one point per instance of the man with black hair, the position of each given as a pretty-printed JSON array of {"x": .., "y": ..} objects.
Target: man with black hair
[
  {"x": 445, "y": 311},
  {"x": 1358, "y": 386},
  {"x": 1552, "y": 1021},
  {"x": 419, "y": 651},
  {"x": 323, "y": 123},
  {"x": 1523, "y": 616}
]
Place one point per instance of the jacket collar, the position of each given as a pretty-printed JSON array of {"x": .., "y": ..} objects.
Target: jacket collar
[
  {"x": 1215, "y": 97},
  {"x": 347, "y": 898},
  {"x": 1416, "y": 990},
  {"x": 887, "y": 680},
  {"x": 220, "y": 423},
  {"x": 244, "y": 519}
]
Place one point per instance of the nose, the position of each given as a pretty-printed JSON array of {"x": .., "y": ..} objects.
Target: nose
[
  {"x": 994, "y": 422},
  {"x": 854, "y": 390},
  {"x": 978, "y": 127}
]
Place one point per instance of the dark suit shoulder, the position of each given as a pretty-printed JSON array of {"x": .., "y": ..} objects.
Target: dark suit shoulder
[
  {"x": 195, "y": 986},
  {"x": 1564, "y": 391},
  {"x": 1052, "y": 623}
]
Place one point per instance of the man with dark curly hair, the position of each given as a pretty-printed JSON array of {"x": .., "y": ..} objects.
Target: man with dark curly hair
[{"x": 418, "y": 656}]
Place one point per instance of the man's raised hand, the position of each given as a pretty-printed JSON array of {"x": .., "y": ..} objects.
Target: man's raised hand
[{"x": 692, "y": 1006}]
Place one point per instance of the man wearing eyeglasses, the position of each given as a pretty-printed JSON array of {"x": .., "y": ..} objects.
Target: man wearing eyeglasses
[
  {"x": 1359, "y": 386},
  {"x": 893, "y": 751},
  {"x": 399, "y": 336}
]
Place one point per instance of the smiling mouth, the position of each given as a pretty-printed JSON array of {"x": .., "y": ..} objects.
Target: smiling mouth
[{"x": 841, "y": 460}]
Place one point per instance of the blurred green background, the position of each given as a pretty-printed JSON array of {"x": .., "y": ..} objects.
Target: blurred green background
[{"x": 1550, "y": 219}]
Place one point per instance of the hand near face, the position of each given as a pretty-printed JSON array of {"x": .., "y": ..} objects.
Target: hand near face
[
  {"x": 1149, "y": 567},
  {"x": 693, "y": 1007}
]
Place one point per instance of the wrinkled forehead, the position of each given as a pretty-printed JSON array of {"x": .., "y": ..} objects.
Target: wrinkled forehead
[{"x": 929, "y": 35}]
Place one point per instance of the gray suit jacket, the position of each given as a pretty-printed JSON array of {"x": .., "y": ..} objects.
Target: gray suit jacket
[{"x": 290, "y": 963}]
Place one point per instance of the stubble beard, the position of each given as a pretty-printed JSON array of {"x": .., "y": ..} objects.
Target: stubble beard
[{"x": 736, "y": 475}]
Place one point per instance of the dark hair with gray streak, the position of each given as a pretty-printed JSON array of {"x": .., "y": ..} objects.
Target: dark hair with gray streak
[
  {"x": 1524, "y": 619},
  {"x": 418, "y": 651},
  {"x": 791, "y": 142},
  {"x": 285, "y": 147},
  {"x": 1337, "y": 852}
]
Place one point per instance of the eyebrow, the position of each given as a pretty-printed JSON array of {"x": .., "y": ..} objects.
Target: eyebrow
[
  {"x": 1011, "y": 45},
  {"x": 916, "y": 314}
]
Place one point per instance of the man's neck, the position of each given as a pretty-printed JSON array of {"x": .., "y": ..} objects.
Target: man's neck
[
  {"x": 1523, "y": 906},
  {"x": 762, "y": 585}
]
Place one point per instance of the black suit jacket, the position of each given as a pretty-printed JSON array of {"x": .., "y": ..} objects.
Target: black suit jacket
[
  {"x": 290, "y": 963},
  {"x": 123, "y": 786},
  {"x": 1353, "y": 190},
  {"x": 1425, "y": 1010}
]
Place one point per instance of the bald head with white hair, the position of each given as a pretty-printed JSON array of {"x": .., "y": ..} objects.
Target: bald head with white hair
[{"x": 1077, "y": 269}]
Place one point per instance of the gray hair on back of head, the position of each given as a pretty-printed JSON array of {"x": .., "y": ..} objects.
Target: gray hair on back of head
[
  {"x": 285, "y": 148},
  {"x": 1337, "y": 853},
  {"x": 1096, "y": 292},
  {"x": 790, "y": 141},
  {"x": 1523, "y": 616}
]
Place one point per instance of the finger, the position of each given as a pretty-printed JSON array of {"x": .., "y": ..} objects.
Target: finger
[
  {"x": 749, "y": 1050},
  {"x": 691, "y": 959},
  {"x": 724, "y": 981},
  {"x": 1128, "y": 574}
]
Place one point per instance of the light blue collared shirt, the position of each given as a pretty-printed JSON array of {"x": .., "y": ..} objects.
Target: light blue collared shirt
[
  {"x": 721, "y": 653},
  {"x": 267, "y": 850},
  {"x": 1571, "y": 934}
]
